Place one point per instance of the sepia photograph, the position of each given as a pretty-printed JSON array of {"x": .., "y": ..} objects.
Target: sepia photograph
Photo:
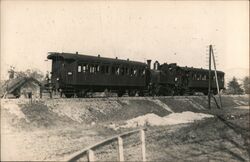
[{"x": 136, "y": 80}]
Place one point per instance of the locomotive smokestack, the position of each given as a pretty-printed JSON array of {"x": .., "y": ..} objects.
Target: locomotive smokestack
[
  {"x": 156, "y": 65},
  {"x": 149, "y": 63}
]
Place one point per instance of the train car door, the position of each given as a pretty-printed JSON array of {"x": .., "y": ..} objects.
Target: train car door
[{"x": 70, "y": 72}]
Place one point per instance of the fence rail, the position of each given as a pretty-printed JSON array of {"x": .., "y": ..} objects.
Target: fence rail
[{"x": 90, "y": 151}]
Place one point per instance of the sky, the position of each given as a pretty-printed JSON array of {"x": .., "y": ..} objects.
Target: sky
[{"x": 167, "y": 31}]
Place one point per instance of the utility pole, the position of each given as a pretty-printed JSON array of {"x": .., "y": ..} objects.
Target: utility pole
[
  {"x": 209, "y": 78},
  {"x": 216, "y": 78},
  {"x": 211, "y": 54}
]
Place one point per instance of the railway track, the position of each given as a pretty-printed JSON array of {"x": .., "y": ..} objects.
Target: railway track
[{"x": 235, "y": 127}]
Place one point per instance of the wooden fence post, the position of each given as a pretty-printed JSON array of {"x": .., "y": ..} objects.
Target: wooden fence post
[
  {"x": 120, "y": 149},
  {"x": 91, "y": 156},
  {"x": 143, "y": 148}
]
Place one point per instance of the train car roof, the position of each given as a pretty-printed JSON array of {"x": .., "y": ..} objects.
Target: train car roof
[
  {"x": 198, "y": 69},
  {"x": 74, "y": 56}
]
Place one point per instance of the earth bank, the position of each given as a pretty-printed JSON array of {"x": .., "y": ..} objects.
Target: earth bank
[{"x": 53, "y": 129}]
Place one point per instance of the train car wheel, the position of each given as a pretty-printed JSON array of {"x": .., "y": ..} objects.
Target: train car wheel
[
  {"x": 81, "y": 93},
  {"x": 120, "y": 93},
  {"x": 131, "y": 93},
  {"x": 141, "y": 93},
  {"x": 68, "y": 95}
]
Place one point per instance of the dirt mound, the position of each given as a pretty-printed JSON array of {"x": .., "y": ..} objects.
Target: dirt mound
[
  {"x": 172, "y": 119},
  {"x": 31, "y": 116}
]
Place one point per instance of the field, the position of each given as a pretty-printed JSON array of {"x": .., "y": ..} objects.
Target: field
[{"x": 54, "y": 129}]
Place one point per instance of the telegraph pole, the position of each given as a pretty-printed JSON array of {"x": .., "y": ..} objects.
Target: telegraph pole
[
  {"x": 209, "y": 78},
  {"x": 216, "y": 79},
  {"x": 211, "y": 54}
]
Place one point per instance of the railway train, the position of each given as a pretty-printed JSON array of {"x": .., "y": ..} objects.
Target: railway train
[{"x": 76, "y": 75}]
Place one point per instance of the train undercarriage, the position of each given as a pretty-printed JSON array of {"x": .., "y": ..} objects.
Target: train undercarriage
[
  {"x": 70, "y": 91},
  {"x": 88, "y": 91}
]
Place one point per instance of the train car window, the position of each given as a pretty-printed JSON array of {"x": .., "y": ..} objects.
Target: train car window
[
  {"x": 98, "y": 68},
  {"x": 87, "y": 68},
  {"x": 112, "y": 70},
  {"x": 126, "y": 71},
  {"x": 94, "y": 69},
  {"x": 140, "y": 72},
  {"x": 200, "y": 77},
  {"x": 79, "y": 68},
  {"x": 204, "y": 77},
  {"x": 135, "y": 72},
  {"x": 84, "y": 68},
  {"x": 117, "y": 71},
  {"x": 91, "y": 69},
  {"x": 131, "y": 72},
  {"x": 102, "y": 69},
  {"x": 122, "y": 71},
  {"x": 143, "y": 72},
  {"x": 194, "y": 77}
]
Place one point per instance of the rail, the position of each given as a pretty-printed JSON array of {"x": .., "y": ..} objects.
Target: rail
[{"x": 89, "y": 151}]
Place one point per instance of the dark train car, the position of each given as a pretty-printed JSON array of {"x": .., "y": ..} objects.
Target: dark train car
[
  {"x": 79, "y": 74},
  {"x": 190, "y": 80}
]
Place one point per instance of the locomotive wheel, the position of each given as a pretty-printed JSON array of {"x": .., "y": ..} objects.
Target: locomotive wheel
[{"x": 158, "y": 90}]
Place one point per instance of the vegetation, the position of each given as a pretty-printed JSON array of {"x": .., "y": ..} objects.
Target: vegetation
[
  {"x": 246, "y": 85},
  {"x": 234, "y": 87},
  {"x": 34, "y": 73}
]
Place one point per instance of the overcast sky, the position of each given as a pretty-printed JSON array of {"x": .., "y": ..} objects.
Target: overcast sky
[{"x": 167, "y": 31}]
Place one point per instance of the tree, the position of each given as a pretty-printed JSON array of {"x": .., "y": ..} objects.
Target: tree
[
  {"x": 234, "y": 87},
  {"x": 246, "y": 85},
  {"x": 34, "y": 73}
]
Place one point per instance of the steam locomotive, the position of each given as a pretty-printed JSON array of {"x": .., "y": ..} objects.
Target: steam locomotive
[{"x": 77, "y": 75}]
